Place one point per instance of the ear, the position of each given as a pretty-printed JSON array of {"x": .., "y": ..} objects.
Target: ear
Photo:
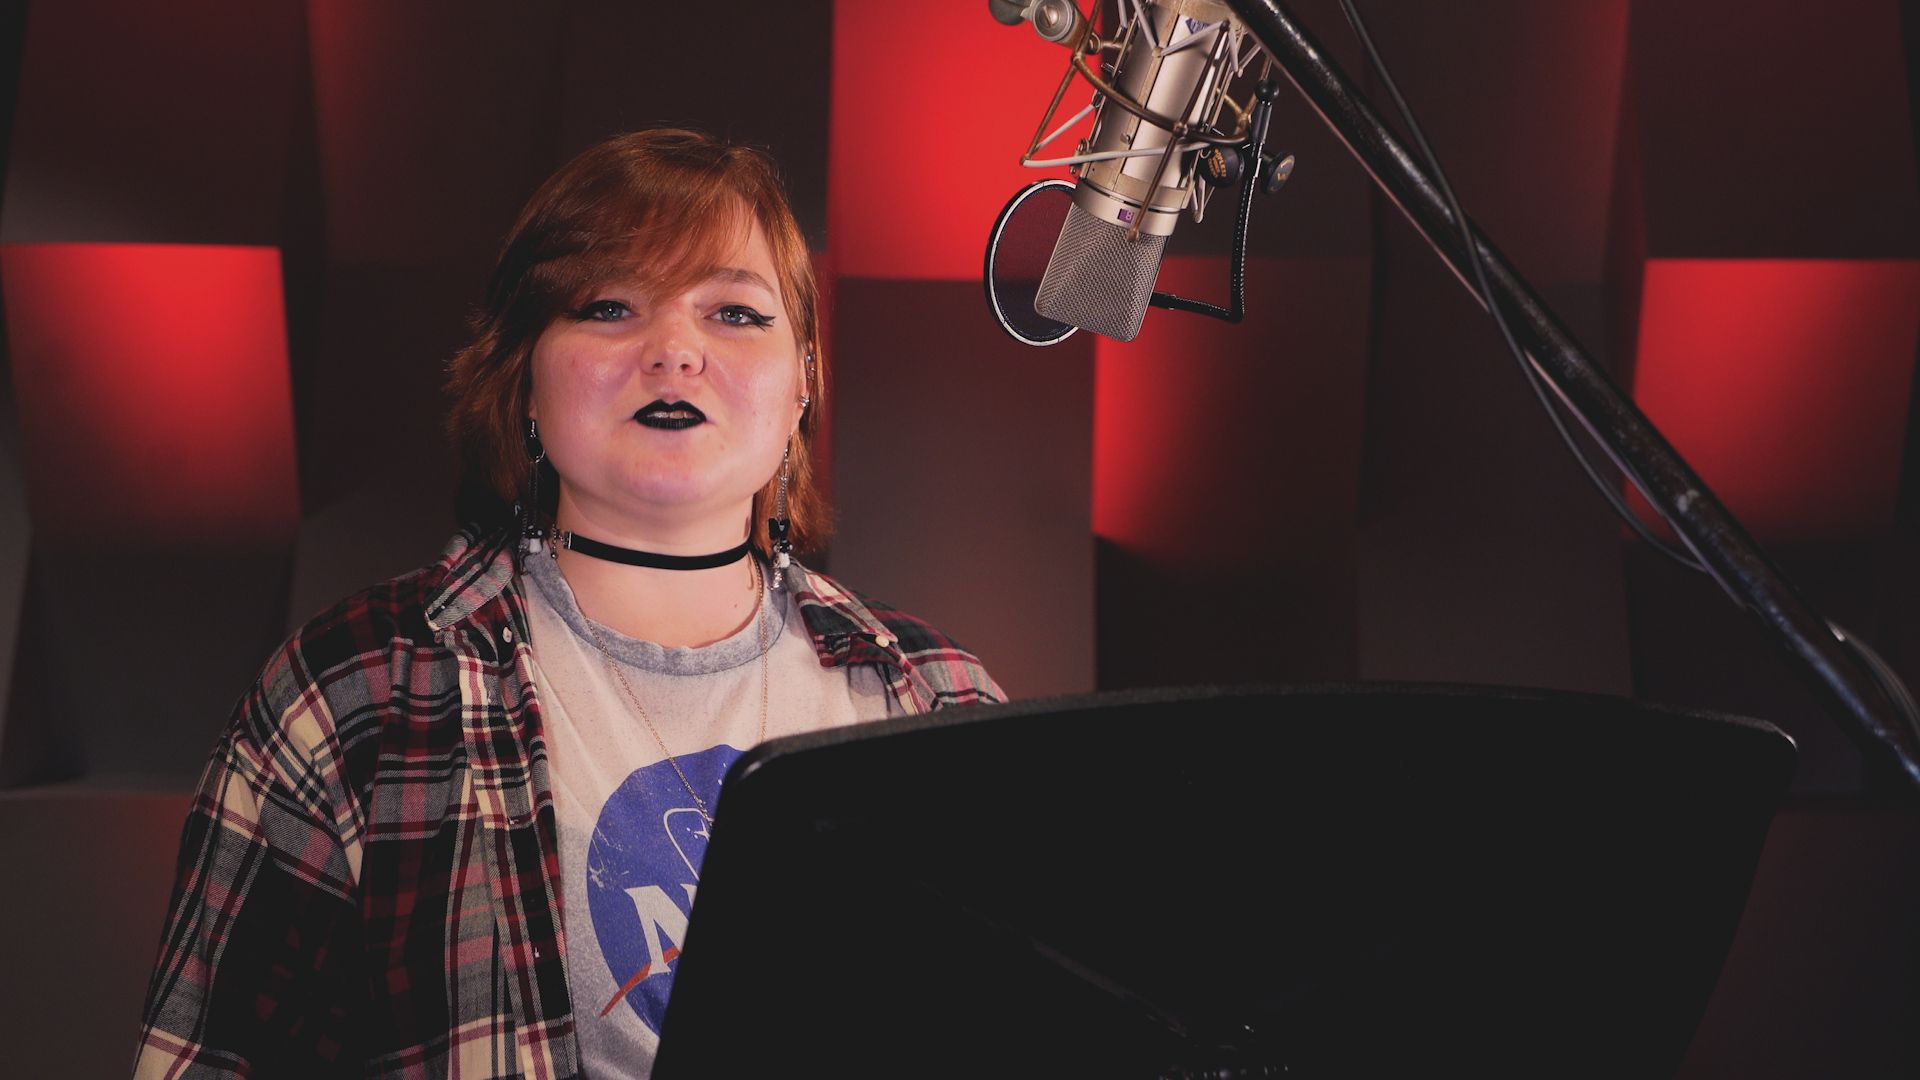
[{"x": 805, "y": 400}]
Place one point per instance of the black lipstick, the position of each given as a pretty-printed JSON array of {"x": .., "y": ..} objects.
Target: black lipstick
[{"x": 669, "y": 415}]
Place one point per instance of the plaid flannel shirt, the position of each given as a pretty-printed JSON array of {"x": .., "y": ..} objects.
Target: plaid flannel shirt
[{"x": 369, "y": 880}]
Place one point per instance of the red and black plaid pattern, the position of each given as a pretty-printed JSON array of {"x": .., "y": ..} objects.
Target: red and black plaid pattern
[
  {"x": 368, "y": 878},
  {"x": 925, "y": 669}
]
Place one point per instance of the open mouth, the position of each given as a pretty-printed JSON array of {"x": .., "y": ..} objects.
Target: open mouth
[{"x": 669, "y": 415}]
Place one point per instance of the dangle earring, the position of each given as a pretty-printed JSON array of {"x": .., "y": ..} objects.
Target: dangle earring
[
  {"x": 529, "y": 508},
  {"x": 778, "y": 527}
]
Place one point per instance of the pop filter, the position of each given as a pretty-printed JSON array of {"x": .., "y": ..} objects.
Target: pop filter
[{"x": 1018, "y": 249}]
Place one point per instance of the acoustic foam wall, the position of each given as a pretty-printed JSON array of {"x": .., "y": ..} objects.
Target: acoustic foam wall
[
  {"x": 1483, "y": 555},
  {"x": 1227, "y": 463},
  {"x": 152, "y": 123},
  {"x": 1774, "y": 132},
  {"x": 1770, "y": 130},
  {"x": 103, "y": 862},
  {"x": 1765, "y": 297},
  {"x": 961, "y": 460},
  {"x": 962, "y": 471},
  {"x": 932, "y": 106},
  {"x": 156, "y": 431},
  {"x": 152, "y": 385},
  {"x": 1785, "y": 382}
]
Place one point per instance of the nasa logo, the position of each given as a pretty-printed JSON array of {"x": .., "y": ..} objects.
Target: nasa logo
[{"x": 643, "y": 866}]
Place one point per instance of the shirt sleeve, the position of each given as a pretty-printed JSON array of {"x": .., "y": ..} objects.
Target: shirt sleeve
[
  {"x": 956, "y": 677},
  {"x": 257, "y": 971}
]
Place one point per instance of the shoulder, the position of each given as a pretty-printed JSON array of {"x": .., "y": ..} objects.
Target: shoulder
[
  {"x": 413, "y": 608},
  {"x": 849, "y": 627},
  {"x": 337, "y": 675},
  {"x": 368, "y": 622}
]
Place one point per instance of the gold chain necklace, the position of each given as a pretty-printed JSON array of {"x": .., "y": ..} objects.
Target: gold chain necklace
[{"x": 760, "y": 624}]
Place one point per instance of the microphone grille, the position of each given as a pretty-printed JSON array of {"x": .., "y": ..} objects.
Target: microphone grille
[{"x": 1097, "y": 279}]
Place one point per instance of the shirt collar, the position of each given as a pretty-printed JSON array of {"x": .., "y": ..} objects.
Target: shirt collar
[
  {"x": 844, "y": 629},
  {"x": 475, "y": 567}
]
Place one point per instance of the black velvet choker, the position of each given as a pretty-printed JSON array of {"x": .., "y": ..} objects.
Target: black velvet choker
[{"x": 632, "y": 557}]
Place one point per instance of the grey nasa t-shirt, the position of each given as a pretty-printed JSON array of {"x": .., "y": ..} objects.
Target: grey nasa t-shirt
[{"x": 631, "y": 835}]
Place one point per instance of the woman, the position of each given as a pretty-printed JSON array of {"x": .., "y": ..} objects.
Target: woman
[{"x": 455, "y": 828}]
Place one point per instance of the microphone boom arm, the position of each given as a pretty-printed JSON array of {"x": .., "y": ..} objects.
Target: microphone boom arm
[{"x": 1717, "y": 539}]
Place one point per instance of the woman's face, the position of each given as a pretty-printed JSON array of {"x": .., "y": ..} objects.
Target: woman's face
[{"x": 670, "y": 412}]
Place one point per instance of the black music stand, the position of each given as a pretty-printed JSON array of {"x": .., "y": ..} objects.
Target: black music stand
[{"x": 1319, "y": 882}]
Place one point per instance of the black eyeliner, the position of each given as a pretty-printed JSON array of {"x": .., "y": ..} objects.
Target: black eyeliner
[{"x": 754, "y": 318}]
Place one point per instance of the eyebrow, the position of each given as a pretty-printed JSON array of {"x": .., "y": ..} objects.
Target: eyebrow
[{"x": 741, "y": 276}]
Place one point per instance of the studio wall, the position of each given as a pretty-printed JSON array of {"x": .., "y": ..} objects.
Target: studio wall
[{"x": 240, "y": 240}]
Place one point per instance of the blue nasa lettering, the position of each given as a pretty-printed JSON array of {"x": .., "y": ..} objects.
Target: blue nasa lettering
[{"x": 643, "y": 866}]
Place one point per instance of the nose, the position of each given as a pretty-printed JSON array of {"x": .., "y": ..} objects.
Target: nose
[{"x": 674, "y": 347}]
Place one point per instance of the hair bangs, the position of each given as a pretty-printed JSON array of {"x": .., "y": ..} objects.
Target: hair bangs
[{"x": 669, "y": 249}]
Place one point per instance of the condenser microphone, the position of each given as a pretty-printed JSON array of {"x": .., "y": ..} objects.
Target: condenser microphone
[{"x": 1130, "y": 195}]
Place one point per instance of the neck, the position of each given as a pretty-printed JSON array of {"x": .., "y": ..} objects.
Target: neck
[{"x": 668, "y": 607}]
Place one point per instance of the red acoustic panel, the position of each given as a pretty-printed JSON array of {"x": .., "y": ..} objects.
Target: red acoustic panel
[
  {"x": 1785, "y": 383},
  {"x": 1226, "y": 479},
  {"x": 1203, "y": 429},
  {"x": 932, "y": 106},
  {"x": 153, "y": 391}
]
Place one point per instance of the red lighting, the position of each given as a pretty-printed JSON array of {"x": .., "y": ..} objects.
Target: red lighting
[
  {"x": 153, "y": 391},
  {"x": 924, "y": 155},
  {"x": 1169, "y": 420},
  {"x": 1215, "y": 441},
  {"x": 1785, "y": 384}
]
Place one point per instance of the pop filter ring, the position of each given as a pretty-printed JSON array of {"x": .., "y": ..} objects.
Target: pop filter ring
[{"x": 993, "y": 251}]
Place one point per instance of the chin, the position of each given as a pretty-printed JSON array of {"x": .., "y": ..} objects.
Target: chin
[{"x": 689, "y": 496}]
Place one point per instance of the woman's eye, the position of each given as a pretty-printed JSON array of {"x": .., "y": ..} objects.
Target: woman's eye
[
  {"x": 603, "y": 311},
  {"x": 741, "y": 315}
]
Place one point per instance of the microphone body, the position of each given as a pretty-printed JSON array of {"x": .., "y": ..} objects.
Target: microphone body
[{"x": 1101, "y": 274}]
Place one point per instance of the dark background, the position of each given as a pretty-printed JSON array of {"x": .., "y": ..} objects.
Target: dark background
[{"x": 239, "y": 239}]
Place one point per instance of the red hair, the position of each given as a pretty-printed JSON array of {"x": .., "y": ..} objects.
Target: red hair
[{"x": 667, "y": 204}]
